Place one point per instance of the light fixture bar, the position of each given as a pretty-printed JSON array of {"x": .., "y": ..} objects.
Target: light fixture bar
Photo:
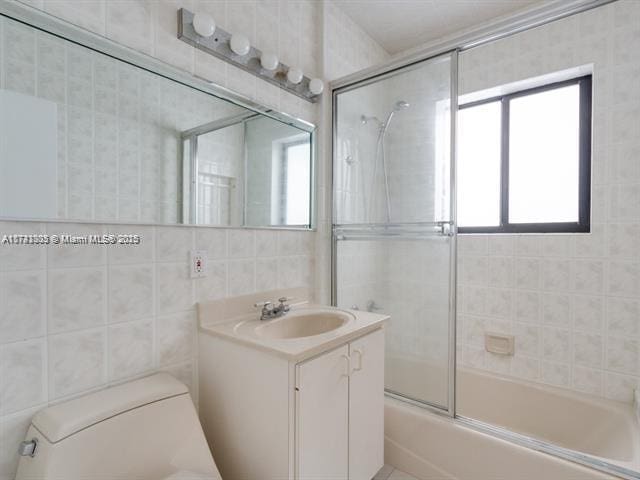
[{"x": 218, "y": 45}]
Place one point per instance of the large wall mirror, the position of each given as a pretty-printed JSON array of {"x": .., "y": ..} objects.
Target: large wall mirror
[{"x": 85, "y": 136}]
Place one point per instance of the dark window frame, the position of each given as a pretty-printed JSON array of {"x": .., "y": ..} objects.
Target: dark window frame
[{"x": 583, "y": 225}]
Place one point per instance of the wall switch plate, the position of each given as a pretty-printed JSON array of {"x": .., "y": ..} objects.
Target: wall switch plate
[{"x": 198, "y": 263}]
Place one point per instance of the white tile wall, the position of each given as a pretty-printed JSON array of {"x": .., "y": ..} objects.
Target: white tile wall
[
  {"x": 572, "y": 301},
  {"x": 77, "y": 319},
  {"x": 111, "y": 120},
  {"x": 346, "y": 49},
  {"x": 74, "y": 319}
]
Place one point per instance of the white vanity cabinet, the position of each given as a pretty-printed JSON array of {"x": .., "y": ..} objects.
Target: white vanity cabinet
[
  {"x": 340, "y": 411},
  {"x": 268, "y": 417}
]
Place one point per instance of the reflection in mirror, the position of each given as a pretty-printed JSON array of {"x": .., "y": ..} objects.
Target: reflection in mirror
[
  {"x": 278, "y": 174},
  {"x": 87, "y": 137},
  {"x": 247, "y": 170}
]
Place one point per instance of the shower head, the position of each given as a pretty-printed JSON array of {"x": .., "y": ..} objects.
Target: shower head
[{"x": 398, "y": 106}]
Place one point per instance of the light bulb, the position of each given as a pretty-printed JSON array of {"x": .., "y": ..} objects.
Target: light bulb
[
  {"x": 269, "y": 61},
  {"x": 239, "y": 44},
  {"x": 204, "y": 24},
  {"x": 294, "y": 75},
  {"x": 316, "y": 86}
]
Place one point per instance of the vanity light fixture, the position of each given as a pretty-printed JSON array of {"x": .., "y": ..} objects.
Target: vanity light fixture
[
  {"x": 316, "y": 86},
  {"x": 239, "y": 44},
  {"x": 294, "y": 75},
  {"x": 200, "y": 31},
  {"x": 204, "y": 24},
  {"x": 269, "y": 61}
]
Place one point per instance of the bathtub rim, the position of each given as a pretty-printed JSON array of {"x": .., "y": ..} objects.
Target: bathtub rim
[{"x": 597, "y": 463}]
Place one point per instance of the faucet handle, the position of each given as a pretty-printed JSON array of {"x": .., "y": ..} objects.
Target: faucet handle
[
  {"x": 283, "y": 306},
  {"x": 266, "y": 304}
]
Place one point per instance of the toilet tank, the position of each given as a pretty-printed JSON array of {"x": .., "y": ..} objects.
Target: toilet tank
[{"x": 147, "y": 429}]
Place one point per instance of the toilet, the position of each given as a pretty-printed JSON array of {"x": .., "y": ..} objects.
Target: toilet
[{"x": 147, "y": 429}]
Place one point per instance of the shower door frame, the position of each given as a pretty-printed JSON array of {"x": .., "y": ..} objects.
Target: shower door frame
[
  {"x": 408, "y": 230},
  {"x": 486, "y": 33}
]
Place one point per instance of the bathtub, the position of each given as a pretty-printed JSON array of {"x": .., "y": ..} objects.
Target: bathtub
[{"x": 432, "y": 446}]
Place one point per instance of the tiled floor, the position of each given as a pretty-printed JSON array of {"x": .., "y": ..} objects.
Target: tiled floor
[{"x": 389, "y": 473}]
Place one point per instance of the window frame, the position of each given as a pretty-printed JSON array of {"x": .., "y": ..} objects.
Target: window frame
[{"x": 583, "y": 225}]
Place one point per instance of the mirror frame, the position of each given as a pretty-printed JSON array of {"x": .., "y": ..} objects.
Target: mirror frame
[{"x": 47, "y": 23}]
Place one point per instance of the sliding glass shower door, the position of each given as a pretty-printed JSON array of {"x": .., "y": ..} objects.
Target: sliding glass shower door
[{"x": 393, "y": 225}]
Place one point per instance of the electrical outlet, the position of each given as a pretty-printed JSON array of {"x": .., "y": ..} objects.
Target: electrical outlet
[{"x": 198, "y": 263}]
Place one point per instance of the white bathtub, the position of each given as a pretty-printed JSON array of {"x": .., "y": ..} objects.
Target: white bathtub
[{"x": 431, "y": 446}]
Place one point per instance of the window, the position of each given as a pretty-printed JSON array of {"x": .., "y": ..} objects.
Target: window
[{"x": 524, "y": 161}]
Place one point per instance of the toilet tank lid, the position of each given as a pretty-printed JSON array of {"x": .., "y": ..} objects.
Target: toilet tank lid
[{"x": 63, "y": 420}]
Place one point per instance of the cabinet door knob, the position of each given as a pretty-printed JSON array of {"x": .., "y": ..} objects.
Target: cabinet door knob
[
  {"x": 347, "y": 359},
  {"x": 360, "y": 355}
]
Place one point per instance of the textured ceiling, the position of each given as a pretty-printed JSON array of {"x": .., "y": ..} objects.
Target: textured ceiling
[{"x": 401, "y": 24}]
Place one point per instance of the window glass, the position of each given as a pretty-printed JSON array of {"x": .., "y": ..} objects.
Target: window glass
[
  {"x": 544, "y": 156},
  {"x": 298, "y": 196},
  {"x": 479, "y": 165},
  {"x": 524, "y": 161}
]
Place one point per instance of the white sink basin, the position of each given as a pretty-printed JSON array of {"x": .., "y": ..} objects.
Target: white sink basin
[
  {"x": 305, "y": 331},
  {"x": 303, "y": 323}
]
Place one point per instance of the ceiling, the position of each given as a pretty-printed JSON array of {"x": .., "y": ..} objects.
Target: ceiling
[{"x": 398, "y": 25}]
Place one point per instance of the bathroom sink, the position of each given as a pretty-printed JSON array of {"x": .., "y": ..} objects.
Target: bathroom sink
[
  {"x": 303, "y": 323},
  {"x": 304, "y": 331}
]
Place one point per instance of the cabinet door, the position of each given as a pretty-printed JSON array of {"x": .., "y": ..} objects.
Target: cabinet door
[
  {"x": 366, "y": 406},
  {"x": 322, "y": 416}
]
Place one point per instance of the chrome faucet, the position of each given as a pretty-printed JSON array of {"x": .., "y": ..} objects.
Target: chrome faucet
[{"x": 270, "y": 312}]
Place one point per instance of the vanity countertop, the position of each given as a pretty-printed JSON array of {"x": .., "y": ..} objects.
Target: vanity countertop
[{"x": 244, "y": 330}]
